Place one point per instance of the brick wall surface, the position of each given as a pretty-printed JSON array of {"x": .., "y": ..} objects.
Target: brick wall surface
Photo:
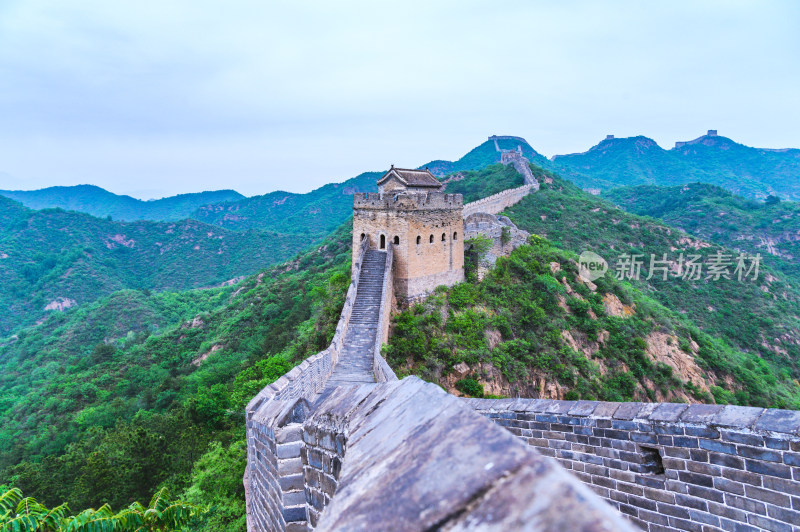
[
  {"x": 669, "y": 466},
  {"x": 499, "y": 202}
]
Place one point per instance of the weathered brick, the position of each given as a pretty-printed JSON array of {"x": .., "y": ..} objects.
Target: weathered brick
[
  {"x": 743, "y": 438},
  {"x": 705, "y": 493},
  {"x": 725, "y": 511},
  {"x": 760, "y": 454},
  {"x": 700, "y": 413},
  {"x": 683, "y": 524},
  {"x": 696, "y": 479},
  {"x": 725, "y": 484},
  {"x": 641, "y": 502},
  {"x": 742, "y": 476},
  {"x": 704, "y": 517},
  {"x": 668, "y": 412},
  {"x": 737, "y": 416},
  {"x": 766, "y": 468},
  {"x": 659, "y": 495},
  {"x": 787, "y": 421},
  {"x": 674, "y": 511},
  {"x": 687, "y": 501},
  {"x": 780, "y": 444},
  {"x": 605, "y": 482},
  {"x": 768, "y": 524},
  {"x": 783, "y": 514},
  {"x": 653, "y": 517},
  {"x": 717, "y": 446},
  {"x": 791, "y": 459},
  {"x": 705, "y": 469},
  {"x": 698, "y": 455},
  {"x": 769, "y": 496},
  {"x": 726, "y": 460},
  {"x": 745, "y": 504}
]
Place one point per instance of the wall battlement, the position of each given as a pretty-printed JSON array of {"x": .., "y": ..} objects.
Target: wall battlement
[
  {"x": 497, "y": 203},
  {"x": 413, "y": 201},
  {"x": 670, "y": 466}
]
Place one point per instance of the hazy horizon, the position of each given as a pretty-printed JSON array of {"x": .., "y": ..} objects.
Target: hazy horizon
[{"x": 154, "y": 100}]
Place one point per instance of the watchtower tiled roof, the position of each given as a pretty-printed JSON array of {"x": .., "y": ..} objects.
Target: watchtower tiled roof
[{"x": 411, "y": 178}]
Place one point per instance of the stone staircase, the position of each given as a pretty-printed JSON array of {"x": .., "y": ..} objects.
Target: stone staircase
[{"x": 356, "y": 357}]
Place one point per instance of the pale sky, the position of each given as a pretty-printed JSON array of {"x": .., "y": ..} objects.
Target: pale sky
[{"x": 159, "y": 97}]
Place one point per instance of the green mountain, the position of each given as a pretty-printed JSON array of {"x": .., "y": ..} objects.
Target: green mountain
[
  {"x": 485, "y": 155},
  {"x": 771, "y": 228},
  {"x": 53, "y": 259},
  {"x": 110, "y": 401},
  {"x": 712, "y": 159},
  {"x": 312, "y": 215},
  {"x": 139, "y": 390},
  {"x": 533, "y": 328},
  {"x": 102, "y": 203}
]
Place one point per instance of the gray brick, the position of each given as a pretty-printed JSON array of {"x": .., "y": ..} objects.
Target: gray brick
[
  {"x": 687, "y": 501},
  {"x": 780, "y": 444},
  {"x": 744, "y": 438},
  {"x": 787, "y": 421},
  {"x": 583, "y": 408},
  {"x": 717, "y": 446},
  {"x": 700, "y": 413},
  {"x": 745, "y": 504},
  {"x": 641, "y": 502},
  {"x": 727, "y": 512},
  {"x": 730, "y": 486},
  {"x": 737, "y": 416},
  {"x": 659, "y": 495},
  {"x": 766, "y": 468},
  {"x": 783, "y": 514},
  {"x": 696, "y": 479},
  {"x": 791, "y": 459},
  {"x": 769, "y": 524},
  {"x": 292, "y": 482},
  {"x": 627, "y": 410},
  {"x": 760, "y": 454},
  {"x": 674, "y": 511},
  {"x": 685, "y": 441},
  {"x": 726, "y": 460},
  {"x": 668, "y": 412},
  {"x": 702, "y": 432},
  {"x": 605, "y": 482},
  {"x": 705, "y": 469},
  {"x": 653, "y": 517},
  {"x": 683, "y": 524},
  {"x": 705, "y": 493},
  {"x": 742, "y": 476},
  {"x": 704, "y": 517},
  {"x": 769, "y": 496}
]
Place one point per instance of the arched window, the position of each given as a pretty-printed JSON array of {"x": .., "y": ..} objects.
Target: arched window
[
  {"x": 431, "y": 239},
  {"x": 363, "y": 236},
  {"x": 383, "y": 241},
  {"x": 444, "y": 238},
  {"x": 419, "y": 240},
  {"x": 396, "y": 240},
  {"x": 455, "y": 236}
]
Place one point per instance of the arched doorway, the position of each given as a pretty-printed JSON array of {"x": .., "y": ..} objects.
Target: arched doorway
[{"x": 383, "y": 241}]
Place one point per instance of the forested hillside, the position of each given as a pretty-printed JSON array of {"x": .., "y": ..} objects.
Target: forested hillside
[
  {"x": 51, "y": 259},
  {"x": 771, "y": 228},
  {"x": 139, "y": 390},
  {"x": 142, "y": 390},
  {"x": 102, "y": 203},
  {"x": 533, "y": 327}
]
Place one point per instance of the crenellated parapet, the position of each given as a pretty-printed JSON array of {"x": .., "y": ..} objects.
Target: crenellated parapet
[
  {"x": 670, "y": 466},
  {"x": 412, "y": 201}
]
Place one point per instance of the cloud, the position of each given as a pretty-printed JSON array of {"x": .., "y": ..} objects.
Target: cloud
[{"x": 192, "y": 95}]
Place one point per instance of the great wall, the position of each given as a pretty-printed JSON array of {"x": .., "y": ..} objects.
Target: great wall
[{"x": 339, "y": 443}]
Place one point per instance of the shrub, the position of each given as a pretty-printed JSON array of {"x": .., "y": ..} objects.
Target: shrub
[{"x": 470, "y": 387}]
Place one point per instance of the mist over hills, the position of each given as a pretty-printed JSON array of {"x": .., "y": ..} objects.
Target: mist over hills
[
  {"x": 102, "y": 203},
  {"x": 713, "y": 159}
]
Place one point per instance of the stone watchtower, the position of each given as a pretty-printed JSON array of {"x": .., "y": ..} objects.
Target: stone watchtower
[{"x": 423, "y": 225}]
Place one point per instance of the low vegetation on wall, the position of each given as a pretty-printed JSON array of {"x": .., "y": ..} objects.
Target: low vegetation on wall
[{"x": 532, "y": 328}]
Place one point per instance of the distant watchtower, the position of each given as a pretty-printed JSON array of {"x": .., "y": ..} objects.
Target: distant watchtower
[{"x": 423, "y": 225}]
